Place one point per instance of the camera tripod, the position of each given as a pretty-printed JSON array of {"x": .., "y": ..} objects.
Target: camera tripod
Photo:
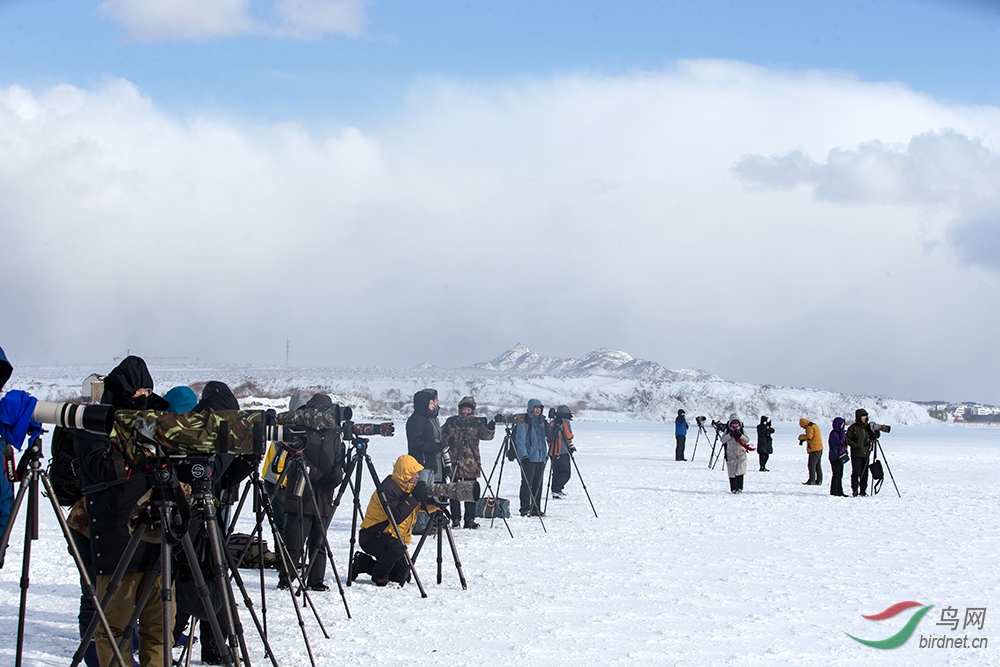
[
  {"x": 359, "y": 458},
  {"x": 479, "y": 466},
  {"x": 441, "y": 527},
  {"x": 264, "y": 510},
  {"x": 508, "y": 445},
  {"x": 578, "y": 476},
  {"x": 876, "y": 487},
  {"x": 713, "y": 457},
  {"x": 701, "y": 430},
  {"x": 31, "y": 474},
  {"x": 170, "y": 512}
]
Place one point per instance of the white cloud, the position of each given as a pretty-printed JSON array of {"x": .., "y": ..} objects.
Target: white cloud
[
  {"x": 154, "y": 20},
  {"x": 572, "y": 212}
]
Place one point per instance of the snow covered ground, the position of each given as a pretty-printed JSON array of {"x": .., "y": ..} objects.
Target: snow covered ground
[{"x": 675, "y": 571}]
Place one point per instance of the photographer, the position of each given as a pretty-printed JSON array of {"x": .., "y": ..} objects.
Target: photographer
[
  {"x": 461, "y": 436},
  {"x": 680, "y": 433},
  {"x": 560, "y": 437},
  {"x": 423, "y": 442},
  {"x": 304, "y": 531},
  {"x": 128, "y": 387},
  {"x": 736, "y": 444},
  {"x": 813, "y": 438},
  {"x": 384, "y": 556},
  {"x": 6, "y": 488},
  {"x": 532, "y": 450},
  {"x": 765, "y": 443},
  {"x": 838, "y": 449},
  {"x": 859, "y": 439}
]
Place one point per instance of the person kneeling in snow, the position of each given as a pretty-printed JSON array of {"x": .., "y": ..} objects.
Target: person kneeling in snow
[
  {"x": 736, "y": 443},
  {"x": 384, "y": 555}
]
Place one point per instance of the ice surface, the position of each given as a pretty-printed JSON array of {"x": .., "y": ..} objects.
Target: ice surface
[{"x": 675, "y": 571}]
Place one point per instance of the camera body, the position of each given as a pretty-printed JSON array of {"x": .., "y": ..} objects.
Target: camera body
[{"x": 701, "y": 420}]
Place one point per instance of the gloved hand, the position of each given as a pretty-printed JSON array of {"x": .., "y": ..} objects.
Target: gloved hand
[
  {"x": 491, "y": 426},
  {"x": 328, "y": 481},
  {"x": 571, "y": 447},
  {"x": 419, "y": 490}
]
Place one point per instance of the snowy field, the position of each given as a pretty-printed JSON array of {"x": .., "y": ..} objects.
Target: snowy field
[{"x": 675, "y": 571}]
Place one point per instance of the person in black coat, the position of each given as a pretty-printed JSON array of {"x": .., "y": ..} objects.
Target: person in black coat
[
  {"x": 424, "y": 442},
  {"x": 304, "y": 530},
  {"x": 128, "y": 387},
  {"x": 764, "y": 441}
]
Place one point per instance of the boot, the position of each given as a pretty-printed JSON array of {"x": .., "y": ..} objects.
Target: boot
[{"x": 471, "y": 523}]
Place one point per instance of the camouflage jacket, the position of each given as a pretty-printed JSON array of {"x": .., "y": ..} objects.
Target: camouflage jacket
[{"x": 465, "y": 461}]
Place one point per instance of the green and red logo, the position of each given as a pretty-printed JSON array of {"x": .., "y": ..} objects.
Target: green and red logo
[{"x": 900, "y": 638}]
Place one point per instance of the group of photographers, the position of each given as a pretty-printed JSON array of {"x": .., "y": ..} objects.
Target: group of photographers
[{"x": 853, "y": 444}]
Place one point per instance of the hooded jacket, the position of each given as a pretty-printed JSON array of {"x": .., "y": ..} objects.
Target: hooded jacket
[
  {"x": 680, "y": 425},
  {"x": 423, "y": 434},
  {"x": 764, "y": 439},
  {"x": 736, "y": 447},
  {"x": 108, "y": 509},
  {"x": 324, "y": 455},
  {"x": 231, "y": 469},
  {"x": 838, "y": 439},
  {"x": 529, "y": 437},
  {"x": 396, "y": 488},
  {"x": 859, "y": 436},
  {"x": 813, "y": 437},
  {"x": 466, "y": 460}
]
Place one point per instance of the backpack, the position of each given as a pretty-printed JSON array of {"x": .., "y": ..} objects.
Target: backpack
[
  {"x": 64, "y": 468},
  {"x": 248, "y": 550}
]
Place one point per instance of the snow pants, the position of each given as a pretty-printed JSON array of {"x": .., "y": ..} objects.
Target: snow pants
[
  {"x": 816, "y": 467},
  {"x": 308, "y": 538},
  {"x": 679, "y": 451},
  {"x": 859, "y": 475},
  {"x": 532, "y": 476},
  {"x": 389, "y": 558},
  {"x": 561, "y": 471},
  {"x": 836, "y": 478}
]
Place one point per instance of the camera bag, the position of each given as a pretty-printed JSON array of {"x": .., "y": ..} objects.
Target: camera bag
[{"x": 489, "y": 507}]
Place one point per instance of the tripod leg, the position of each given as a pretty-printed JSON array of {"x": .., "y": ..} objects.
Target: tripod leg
[
  {"x": 248, "y": 603},
  {"x": 239, "y": 508},
  {"x": 889, "y": 470},
  {"x": 458, "y": 563},
  {"x": 420, "y": 545},
  {"x": 324, "y": 542},
  {"x": 206, "y": 600},
  {"x": 490, "y": 492},
  {"x": 30, "y": 534},
  {"x": 383, "y": 501},
  {"x": 531, "y": 493},
  {"x": 548, "y": 485},
  {"x": 213, "y": 530},
  {"x": 440, "y": 556},
  {"x": 580, "y": 477}
]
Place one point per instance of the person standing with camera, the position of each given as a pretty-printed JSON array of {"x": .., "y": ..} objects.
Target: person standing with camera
[
  {"x": 561, "y": 448},
  {"x": 128, "y": 387},
  {"x": 859, "y": 440},
  {"x": 323, "y": 458},
  {"x": 680, "y": 433},
  {"x": 737, "y": 444},
  {"x": 461, "y": 435},
  {"x": 532, "y": 450},
  {"x": 765, "y": 443},
  {"x": 423, "y": 442},
  {"x": 813, "y": 438}
]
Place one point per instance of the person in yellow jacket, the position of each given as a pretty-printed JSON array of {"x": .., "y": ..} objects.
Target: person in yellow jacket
[
  {"x": 384, "y": 556},
  {"x": 813, "y": 438}
]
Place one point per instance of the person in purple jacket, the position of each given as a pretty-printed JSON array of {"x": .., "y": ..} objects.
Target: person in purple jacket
[{"x": 838, "y": 448}]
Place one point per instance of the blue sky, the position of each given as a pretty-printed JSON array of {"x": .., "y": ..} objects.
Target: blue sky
[
  {"x": 947, "y": 49},
  {"x": 794, "y": 193}
]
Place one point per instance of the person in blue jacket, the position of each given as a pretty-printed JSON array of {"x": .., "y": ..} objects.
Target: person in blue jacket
[
  {"x": 680, "y": 432},
  {"x": 533, "y": 451},
  {"x": 6, "y": 488}
]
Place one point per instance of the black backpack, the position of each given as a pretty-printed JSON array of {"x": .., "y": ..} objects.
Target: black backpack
[{"x": 64, "y": 468}]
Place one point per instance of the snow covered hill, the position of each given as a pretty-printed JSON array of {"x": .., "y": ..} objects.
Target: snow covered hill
[{"x": 603, "y": 385}]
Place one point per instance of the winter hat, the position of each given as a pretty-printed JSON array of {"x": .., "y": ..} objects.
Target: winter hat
[
  {"x": 680, "y": 413},
  {"x": 319, "y": 401},
  {"x": 764, "y": 419},
  {"x": 467, "y": 402},
  {"x": 217, "y": 396},
  {"x": 181, "y": 399},
  {"x": 5, "y": 369},
  {"x": 859, "y": 413},
  {"x": 563, "y": 412}
]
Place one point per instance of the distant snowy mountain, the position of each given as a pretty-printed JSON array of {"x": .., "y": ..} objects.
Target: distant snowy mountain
[
  {"x": 603, "y": 385},
  {"x": 603, "y": 362}
]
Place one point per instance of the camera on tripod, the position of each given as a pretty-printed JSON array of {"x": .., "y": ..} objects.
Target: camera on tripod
[
  {"x": 878, "y": 429},
  {"x": 471, "y": 422},
  {"x": 510, "y": 419},
  {"x": 720, "y": 427},
  {"x": 333, "y": 417},
  {"x": 701, "y": 420},
  {"x": 467, "y": 491}
]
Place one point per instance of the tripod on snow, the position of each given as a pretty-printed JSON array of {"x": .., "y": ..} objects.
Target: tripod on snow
[
  {"x": 31, "y": 473},
  {"x": 169, "y": 512},
  {"x": 359, "y": 458},
  {"x": 701, "y": 430},
  {"x": 505, "y": 451},
  {"x": 876, "y": 468},
  {"x": 479, "y": 466}
]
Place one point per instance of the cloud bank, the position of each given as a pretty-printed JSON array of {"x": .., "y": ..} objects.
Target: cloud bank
[
  {"x": 156, "y": 20},
  {"x": 645, "y": 212}
]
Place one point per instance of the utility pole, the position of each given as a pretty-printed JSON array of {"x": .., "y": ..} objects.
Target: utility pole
[{"x": 286, "y": 350}]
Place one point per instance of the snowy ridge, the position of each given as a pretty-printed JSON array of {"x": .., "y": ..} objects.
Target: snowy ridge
[{"x": 586, "y": 385}]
